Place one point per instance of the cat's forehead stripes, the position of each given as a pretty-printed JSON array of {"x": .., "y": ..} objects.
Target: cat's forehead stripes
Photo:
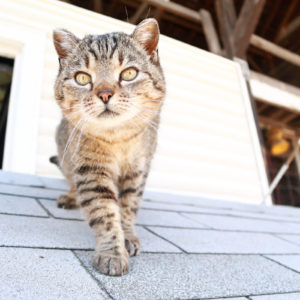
[
  {"x": 109, "y": 47},
  {"x": 100, "y": 47}
]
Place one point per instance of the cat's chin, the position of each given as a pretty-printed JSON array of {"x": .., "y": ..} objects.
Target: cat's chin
[{"x": 108, "y": 114}]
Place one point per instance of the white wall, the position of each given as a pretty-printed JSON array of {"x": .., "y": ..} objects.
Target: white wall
[{"x": 207, "y": 145}]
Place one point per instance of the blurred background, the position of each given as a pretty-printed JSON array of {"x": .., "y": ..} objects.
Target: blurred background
[{"x": 264, "y": 33}]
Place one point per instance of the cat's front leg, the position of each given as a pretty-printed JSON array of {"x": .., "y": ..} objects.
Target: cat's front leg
[
  {"x": 98, "y": 198},
  {"x": 130, "y": 195}
]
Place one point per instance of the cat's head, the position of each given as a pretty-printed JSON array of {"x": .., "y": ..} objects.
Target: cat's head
[{"x": 109, "y": 80}]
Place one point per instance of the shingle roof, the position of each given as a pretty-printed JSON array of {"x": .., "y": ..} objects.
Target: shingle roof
[{"x": 192, "y": 248}]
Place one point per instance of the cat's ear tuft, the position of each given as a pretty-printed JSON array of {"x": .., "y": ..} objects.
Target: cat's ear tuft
[
  {"x": 147, "y": 34},
  {"x": 64, "y": 42}
]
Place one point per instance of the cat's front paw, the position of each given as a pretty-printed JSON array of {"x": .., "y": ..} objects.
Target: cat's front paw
[
  {"x": 112, "y": 265},
  {"x": 67, "y": 202},
  {"x": 132, "y": 244}
]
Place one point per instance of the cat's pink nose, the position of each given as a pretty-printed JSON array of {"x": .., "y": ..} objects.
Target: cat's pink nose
[{"x": 105, "y": 95}]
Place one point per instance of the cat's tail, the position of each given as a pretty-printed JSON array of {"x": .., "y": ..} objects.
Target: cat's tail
[{"x": 54, "y": 160}]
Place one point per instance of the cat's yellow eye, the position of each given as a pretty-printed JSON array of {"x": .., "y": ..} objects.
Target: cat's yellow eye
[
  {"x": 129, "y": 74},
  {"x": 82, "y": 78}
]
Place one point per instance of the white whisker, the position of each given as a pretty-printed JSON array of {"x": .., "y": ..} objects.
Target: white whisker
[{"x": 73, "y": 132}]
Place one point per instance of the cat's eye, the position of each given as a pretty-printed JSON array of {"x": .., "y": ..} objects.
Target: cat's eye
[
  {"x": 82, "y": 78},
  {"x": 129, "y": 74}
]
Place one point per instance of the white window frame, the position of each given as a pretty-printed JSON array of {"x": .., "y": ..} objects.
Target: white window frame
[
  {"x": 27, "y": 48},
  {"x": 261, "y": 168}
]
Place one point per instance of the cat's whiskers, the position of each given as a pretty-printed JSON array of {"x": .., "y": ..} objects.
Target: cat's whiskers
[
  {"x": 152, "y": 100},
  {"x": 132, "y": 104},
  {"x": 72, "y": 107},
  {"x": 152, "y": 124},
  {"x": 80, "y": 111},
  {"x": 143, "y": 109},
  {"x": 70, "y": 140},
  {"x": 143, "y": 117},
  {"x": 80, "y": 135}
]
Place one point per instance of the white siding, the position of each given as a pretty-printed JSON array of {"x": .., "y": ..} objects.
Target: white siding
[{"x": 205, "y": 146}]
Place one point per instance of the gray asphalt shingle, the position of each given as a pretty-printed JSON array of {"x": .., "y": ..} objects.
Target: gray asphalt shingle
[
  {"x": 201, "y": 202},
  {"x": 291, "y": 261},
  {"x": 42, "y": 232},
  {"x": 164, "y": 218},
  {"x": 289, "y": 296},
  {"x": 20, "y": 206},
  {"x": 209, "y": 241},
  {"x": 152, "y": 243},
  {"x": 295, "y": 239},
  {"x": 54, "y": 183},
  {"x": 256, "y": 215},
  {"x": 29, "y": 191},
  {"x": 244, "y": 224},
  {"x": 45, "y": 274},
  {"x": 182, "y": 276},
  {"x": 20, "y": 179},
  {"x": 192, "y": 248},
  {"x": 50, "y": 205}
]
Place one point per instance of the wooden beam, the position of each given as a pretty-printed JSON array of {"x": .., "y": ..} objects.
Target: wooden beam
[
  {"x": 170, "y": 17},
  {"x": 245, "y": 25},
  {"x": 253, "y": 64},
  {"x": 230, "y": 12},
  {"x": 176, "y": 9},
  {"x": 265, "y": 121},
  {"x": 225, "y": 27},
  {"x": 277, "y": 113},
  {"x": 135, "y": 18},
  {"x": 290, "y": 117},
  {"x": 272, "y": 91},
  {"x": 210, "y": 32},
  {"x": 284, "y": 20},
  {"x": 262, "y": 107},
  {"x": 293, "y": 26},
  {"x": 269, "y": 17},
  {"x": 97, "y": 6},
  {"x": 158, "y": 14},
  {"x": 278, "y": 51}
]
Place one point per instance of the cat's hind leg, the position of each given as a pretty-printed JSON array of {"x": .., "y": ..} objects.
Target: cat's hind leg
[{"x": 68, "y": 201}]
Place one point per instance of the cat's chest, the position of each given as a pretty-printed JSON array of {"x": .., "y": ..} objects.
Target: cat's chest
[{"x": 128, "y": 153}]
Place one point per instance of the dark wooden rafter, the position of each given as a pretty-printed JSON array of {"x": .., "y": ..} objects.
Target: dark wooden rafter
[
  {"x": 278, "y": 113},
  {"x": 226, "y": 22},
  {"x": 235, "y": 31},
  {"x": 262, "y": 107},
  {"x": 210, "y": 32},
  {"x": 140, "y": 11},
  {"x": 273, "y": 123},
  {"x": 203, "y": 17},
  {"x": 245, "y": 25},
  {"x": 231, "y": 13},
  {"x": 269, "y": 18},
  {"x": 289, "y": 118},
  {"x": 275, "y": 50},
  {"x": 158, "y": 14},
  {"x": 285, "y": 20},
  {"x": 97, "y": 5}
]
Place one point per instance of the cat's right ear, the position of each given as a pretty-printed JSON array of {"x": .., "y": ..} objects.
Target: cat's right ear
[{"x": 64, "y": 42}]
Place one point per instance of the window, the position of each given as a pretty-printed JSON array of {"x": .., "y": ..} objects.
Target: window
[{"x": 6, "y": 70}]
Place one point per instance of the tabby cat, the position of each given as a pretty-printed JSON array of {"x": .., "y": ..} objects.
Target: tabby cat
[{"x": 110, "y": 89}]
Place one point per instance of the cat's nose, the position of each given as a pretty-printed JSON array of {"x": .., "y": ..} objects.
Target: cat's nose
[{"x": 105, "y": 95}]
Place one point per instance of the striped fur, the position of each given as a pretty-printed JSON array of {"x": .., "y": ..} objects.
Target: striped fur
[{"x": 106, "y": 156}]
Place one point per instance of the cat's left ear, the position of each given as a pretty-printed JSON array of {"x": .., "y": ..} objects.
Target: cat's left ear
[{"x": 147, "y": 34}]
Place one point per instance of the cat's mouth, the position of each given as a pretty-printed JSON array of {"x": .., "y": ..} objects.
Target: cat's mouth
[{"x": 108, "y": 113}]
